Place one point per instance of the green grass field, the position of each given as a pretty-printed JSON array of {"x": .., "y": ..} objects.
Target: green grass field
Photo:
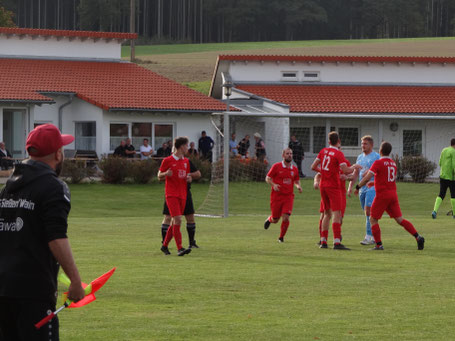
[
  {"x": 145, "y": 50},
  {"x": 243, "y": 285}
]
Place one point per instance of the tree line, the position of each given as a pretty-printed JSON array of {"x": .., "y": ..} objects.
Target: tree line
[{"x": 243, "y": 20}]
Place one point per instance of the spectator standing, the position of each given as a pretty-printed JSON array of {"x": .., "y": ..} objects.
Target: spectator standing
[
  {"x": 233, "y": 146},
  {"x": 120, "y": 150},
  {"x": 36, "y": 244},
  {"x": 192, "y": 151},
  {"x": 297, "y": 153},
  {"x": 146, "y": 150},
  {"x": 129, "y": 149},
  {"x": 168, "y": 151},
  {"x": 259, "y": 147},
  {"x": 161, "y": 152},
  {"x": 244, "y": 146},
  {"x": 6, "y": 161},
  {"x": 205, "y": 146}
]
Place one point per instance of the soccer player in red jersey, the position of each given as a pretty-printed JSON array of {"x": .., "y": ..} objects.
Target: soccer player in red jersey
[
  {"x": 329, "y": 162},
  {"x": 384, "y": 171},
  {"x": 282, "y": 177},
  {"x": 175, "y": 171}
]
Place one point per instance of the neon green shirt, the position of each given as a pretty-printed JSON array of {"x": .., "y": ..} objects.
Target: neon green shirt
[{"x": 447, "y": 163}]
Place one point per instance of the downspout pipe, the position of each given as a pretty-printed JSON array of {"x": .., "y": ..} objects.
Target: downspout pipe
[{"x": 60, "y": 112}]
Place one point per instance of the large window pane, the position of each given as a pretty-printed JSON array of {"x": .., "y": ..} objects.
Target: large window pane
[
  {"x": 318, "y": 139},
  {"x": 412, "y": 142},
  {"x": 141, "y": 131},
  {"x": 118, "y": 132},
  {"x": 163, "y": 134},
  {"x": 349, "y": 137},
  {"x": 303, "y": 135},
  {"x": 85, "y": 138}
]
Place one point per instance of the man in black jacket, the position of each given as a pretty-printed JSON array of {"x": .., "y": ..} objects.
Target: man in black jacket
[
  {"x": 6, "y": 161},
  {"x": 297, "y": 153},
  {"x": 34, "y": 207}
]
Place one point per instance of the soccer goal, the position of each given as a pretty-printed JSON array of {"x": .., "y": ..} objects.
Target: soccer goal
[{"x": 241, "y": 162}]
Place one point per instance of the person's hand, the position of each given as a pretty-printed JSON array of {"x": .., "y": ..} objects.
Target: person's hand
[
  {"x": 76, "y": 292},
  {"x": 189, "y": 178},
  {"x": 276, "y": 187},
  {"x": 343, "y": 177},
  {"x": 357, "y": 166},
  {"x": 316, "y": 185},
  {"x": 169, "y": 172},
  {"x": 300, "y": 189},
  {"x": 349, "y": 192}
]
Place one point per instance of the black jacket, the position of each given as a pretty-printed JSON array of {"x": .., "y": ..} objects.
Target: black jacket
[
  {"x": 297, "y": 149},
  {"x": 34, "y": 207}
]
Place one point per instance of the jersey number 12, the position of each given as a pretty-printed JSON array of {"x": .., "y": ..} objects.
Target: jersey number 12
[{"x": 325, "y": 163}]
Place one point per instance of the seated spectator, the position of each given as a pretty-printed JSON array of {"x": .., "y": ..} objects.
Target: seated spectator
[
  {"x": 161, "y": 152},
  {"x": 120, "y": 150},
  {"x": 192, "y": 151},
  {"x": 129, "y": 149},
  {"x": 243, "y": 146},
  {"x": 6, "y": 159},
  {"x": 169, "y": 148},
  {"x": 146, "y": 150},
  {"x": 233, "y": 146}
]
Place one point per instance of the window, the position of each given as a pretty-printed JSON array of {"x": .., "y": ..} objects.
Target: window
[
  {"x": 319, "y": 139},
  {"x": 85, "y": 138},
  {"x": 289, "y": 76},
  {"x": 412, "y": 142},
  {"x": 118, "y": 132},
  {"x": 303, "y": 134},
  {"x": 311, "y": 76},
  {"x": 37, "y": 124},
  {"x": 141, "y": 131},
  {"x": 163, "y": 133},
  {"x": 349, "y": 137}
]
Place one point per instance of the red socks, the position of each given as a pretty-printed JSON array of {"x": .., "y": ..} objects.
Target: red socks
[
  {"x": 284, "y": 228},
  {"x": 173, "y": 231},
  {"x": 376, "y": 234},
  {"x": 408, "y": 227},
  {"x": 336, "y": 227},
  {"x": 324, "y": 234},
  {"x": 320, "y": 228}
]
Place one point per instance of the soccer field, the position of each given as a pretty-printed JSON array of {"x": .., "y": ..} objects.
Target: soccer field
[{"x": 243, "y": 285}]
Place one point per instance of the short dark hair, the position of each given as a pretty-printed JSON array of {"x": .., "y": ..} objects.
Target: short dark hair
[
  {"x": 146, "y": 140},
  {"x": 452, "y": 142},
  {"x": 385, "y": 148},
  {"x": 203, "y": 132},
  {"x": 180, "y": 141},
  {"x": 333, "y": 138}
]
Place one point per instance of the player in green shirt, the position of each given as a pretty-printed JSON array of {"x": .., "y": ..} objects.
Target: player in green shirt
[{"x": 447, "y": 178}]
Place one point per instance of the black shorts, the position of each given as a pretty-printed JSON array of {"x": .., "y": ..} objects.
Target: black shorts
[
  {"x": 18, "y": 317},
  {"x": 444, "y": 184},
  {"x": 189, "y": 208}
]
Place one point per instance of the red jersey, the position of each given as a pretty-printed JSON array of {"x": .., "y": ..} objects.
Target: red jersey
[
  {"x": 176, "y": 185},
  {"x": 343, "y": 182},
  {"x": 285, "y": 177},
  {"x": 331, "y": 158},
  {"x": 385, "y": 174}
]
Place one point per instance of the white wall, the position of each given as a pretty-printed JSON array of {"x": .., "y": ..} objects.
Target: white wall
[
  {"x": 63, "y": 48},
  {"x": 345, "y": 72}
]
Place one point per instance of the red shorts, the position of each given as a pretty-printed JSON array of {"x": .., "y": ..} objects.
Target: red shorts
[
  {"x": 321, "y": 207},
  {"x": 176, "y": 206},
  {"x": 331, "y": 198},
  {"x": 280, "y": 206},
  {"x": 385, "y": 203},
  {"x": 343, "y": 203}
]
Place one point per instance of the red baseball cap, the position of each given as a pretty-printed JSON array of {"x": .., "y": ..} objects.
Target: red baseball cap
[{"x": 46, "y": 139}]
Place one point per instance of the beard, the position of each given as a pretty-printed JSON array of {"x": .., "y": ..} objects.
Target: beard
[
  {"x": 288, "y": 160},
  {"x": 59, "y": 168}
]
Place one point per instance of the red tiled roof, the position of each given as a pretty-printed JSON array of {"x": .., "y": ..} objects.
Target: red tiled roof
[
  {"x": 108, "y": 85},
  {"x": 67, "y": 33},
  {"x": 334, "y": 59},
  {"x": 359, "y": 98}
]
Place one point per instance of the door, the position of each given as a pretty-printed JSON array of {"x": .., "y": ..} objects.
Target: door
[{"x": 14, "y": 131}]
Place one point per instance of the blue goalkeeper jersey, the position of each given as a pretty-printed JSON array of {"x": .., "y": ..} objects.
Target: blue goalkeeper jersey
[{"x": 366, "y": 161}]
